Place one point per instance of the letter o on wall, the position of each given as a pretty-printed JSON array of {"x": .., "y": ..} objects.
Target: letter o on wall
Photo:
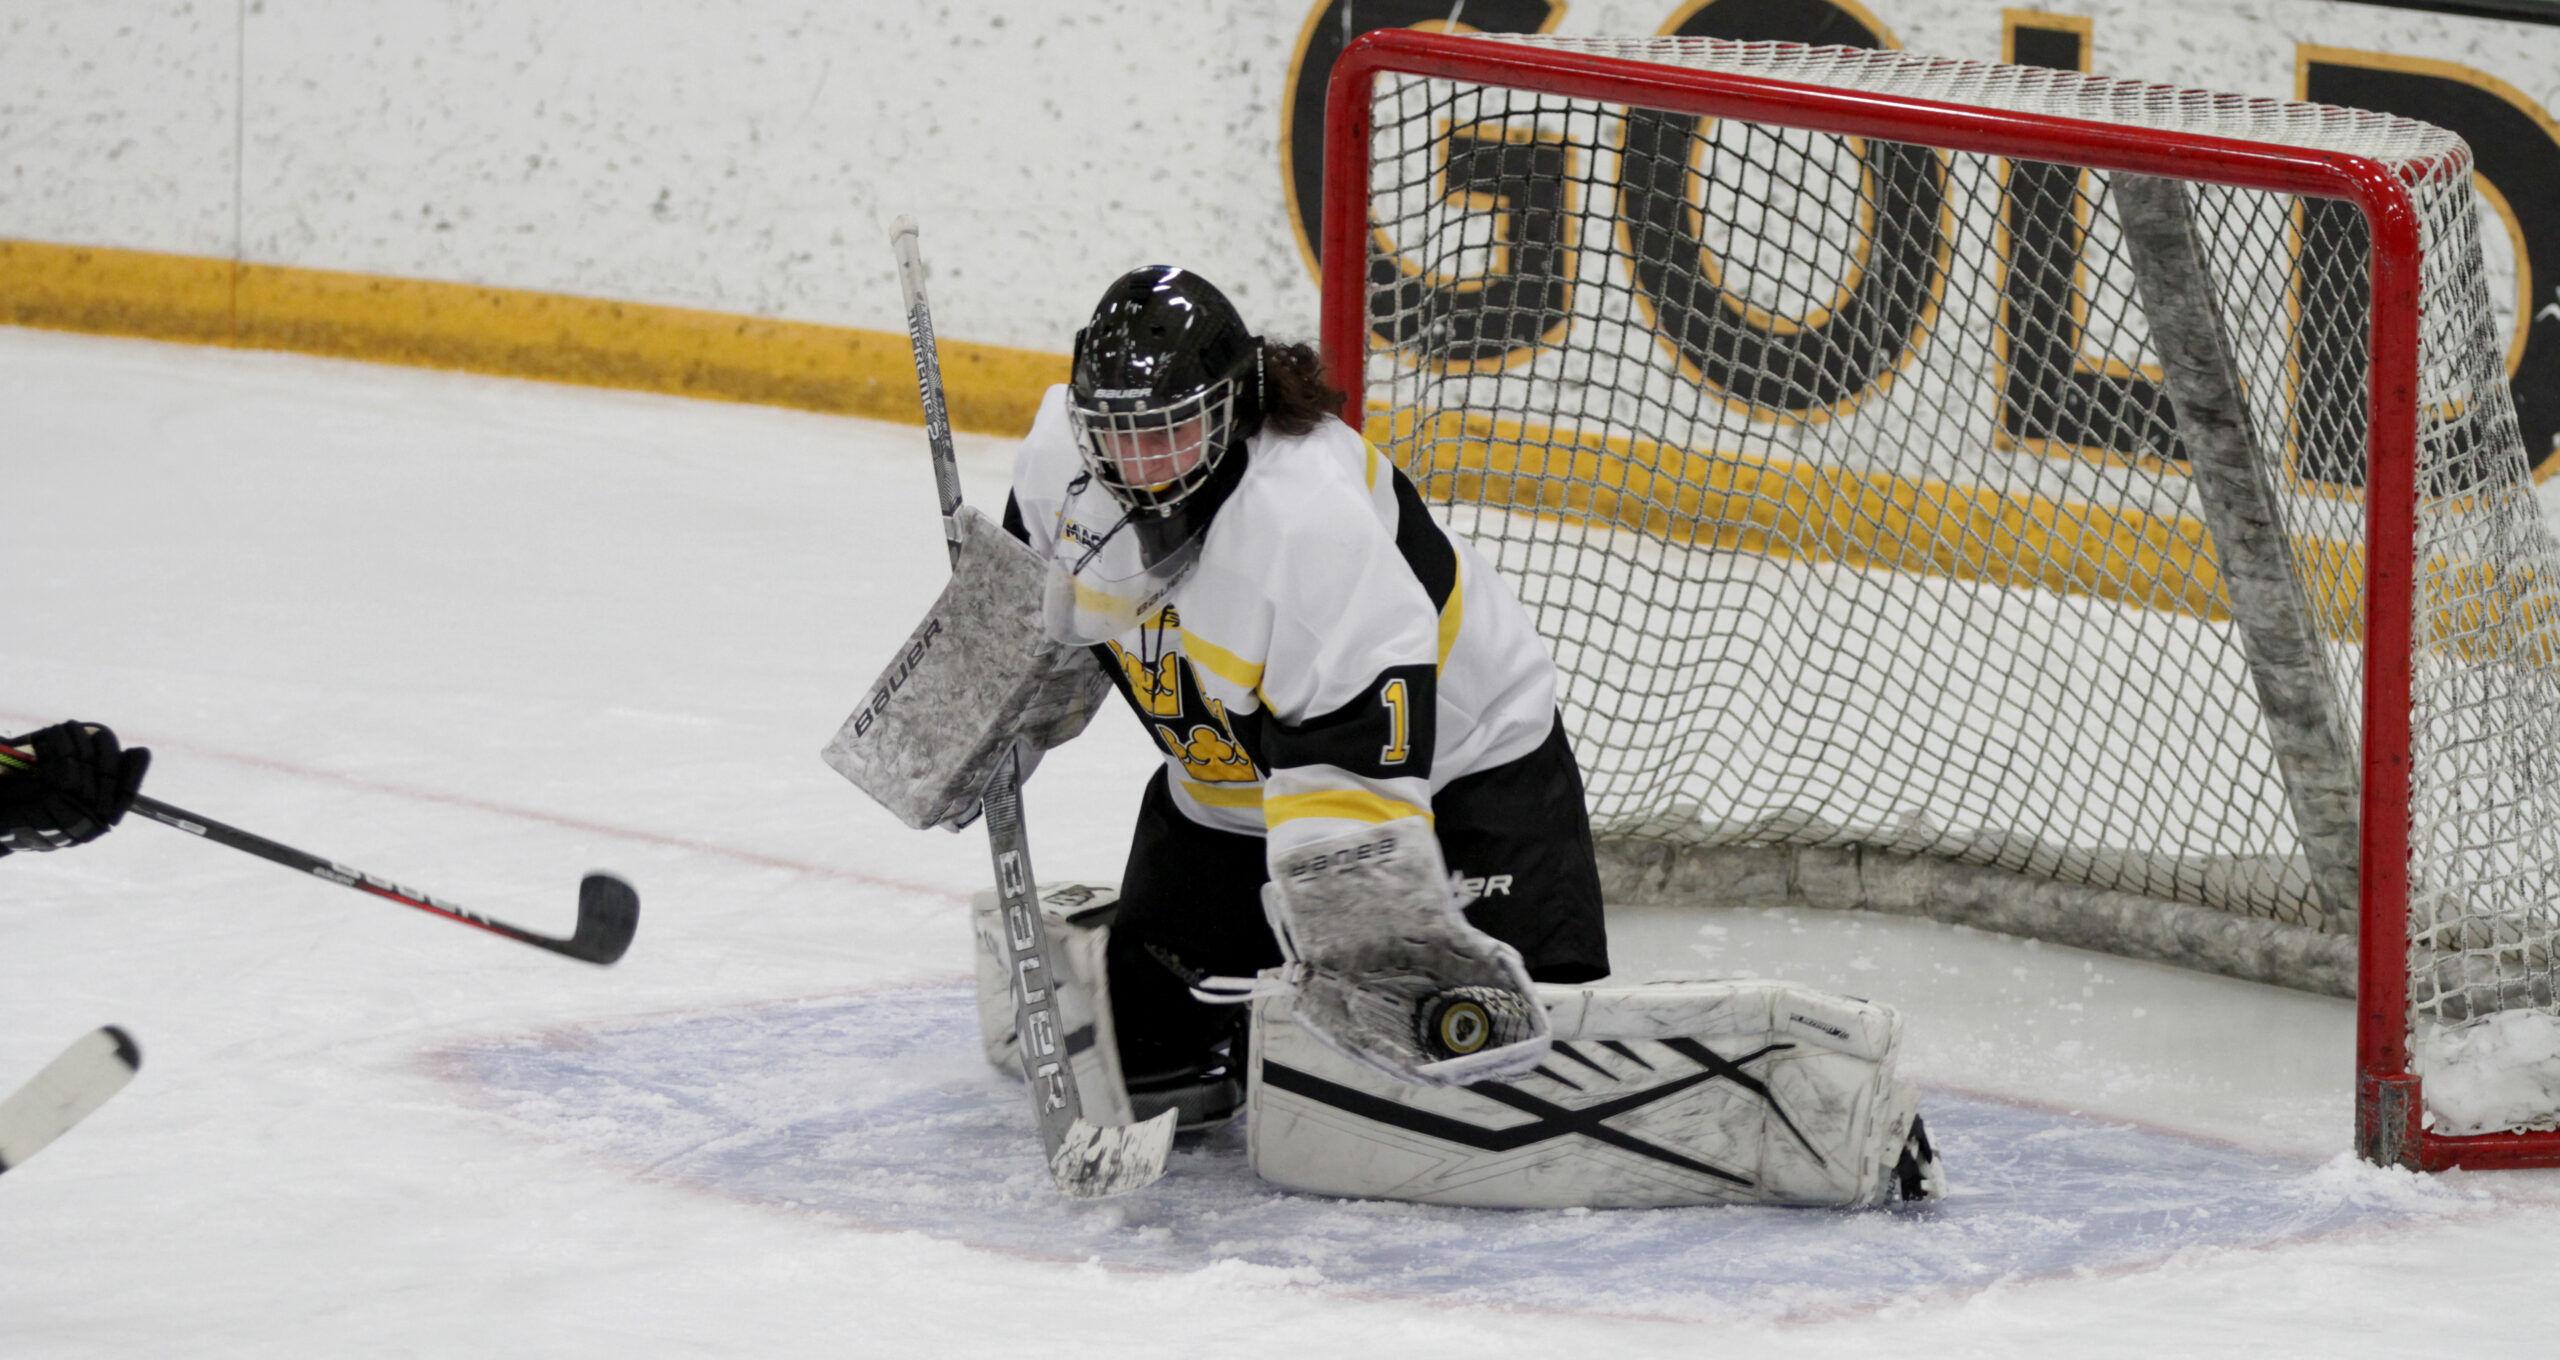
[{"x": 1769, "y": 364}]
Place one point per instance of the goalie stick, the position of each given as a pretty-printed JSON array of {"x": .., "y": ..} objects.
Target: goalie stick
[
  {"x": 608, "y": 908},
  {"x": 1086, "y": 1160},
  {"x": 68, "y": 1090}
]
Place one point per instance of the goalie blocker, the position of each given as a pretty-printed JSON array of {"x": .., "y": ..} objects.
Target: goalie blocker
[
  {"x": 1667, "y": 1094},
  {"x": 975, "y": 679}
]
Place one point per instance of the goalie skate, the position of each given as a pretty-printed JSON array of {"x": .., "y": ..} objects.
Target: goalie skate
[{"x": 1670, "y": 1094}]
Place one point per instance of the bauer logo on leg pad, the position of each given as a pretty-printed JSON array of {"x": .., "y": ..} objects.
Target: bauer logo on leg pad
[{"x": 1810, "y": 1023}]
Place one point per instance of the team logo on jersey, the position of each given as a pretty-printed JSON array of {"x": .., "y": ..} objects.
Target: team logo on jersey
[
  {"x": 1191, "y": 727},
  {"x": 1155, "y": 689},
  {"x": 1209, "y": 756}
]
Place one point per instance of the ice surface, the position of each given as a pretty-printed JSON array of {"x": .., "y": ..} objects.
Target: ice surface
[
  {"x": 484, "y": 636},
  {"x": 879, "y": 1110}
]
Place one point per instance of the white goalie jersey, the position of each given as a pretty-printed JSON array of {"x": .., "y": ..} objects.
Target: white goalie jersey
[{"x": 1331, "y": 658}]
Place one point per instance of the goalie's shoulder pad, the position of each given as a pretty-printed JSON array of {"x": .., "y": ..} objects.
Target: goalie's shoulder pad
[{"x": 975, "y": 677}]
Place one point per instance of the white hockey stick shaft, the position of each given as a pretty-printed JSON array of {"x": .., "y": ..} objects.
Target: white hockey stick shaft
[
  {"x": 1087, "y": 1160},
  {"x": 937, "y": 418},
  {"x": 68, "y": 1090}
]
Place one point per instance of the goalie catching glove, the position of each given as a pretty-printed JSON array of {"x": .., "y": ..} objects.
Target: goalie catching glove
[
  {"x": 1385, "y": 970},
  {"x": 977, "y": 679}
]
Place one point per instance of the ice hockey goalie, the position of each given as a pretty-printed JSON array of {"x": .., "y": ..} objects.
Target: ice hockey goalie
[{"x": 1368, "y": 823}]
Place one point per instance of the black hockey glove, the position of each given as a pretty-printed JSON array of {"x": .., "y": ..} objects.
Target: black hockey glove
[{"x": 81, "y": 784}]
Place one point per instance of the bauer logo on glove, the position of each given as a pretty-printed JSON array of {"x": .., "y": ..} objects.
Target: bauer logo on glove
[
  {"x": 1341, "y": 860},
  {"x": 887, "y": 689},
  {"x": 976, "y": 679}
]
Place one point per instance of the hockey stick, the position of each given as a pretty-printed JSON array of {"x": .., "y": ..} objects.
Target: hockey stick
[
  {"x": 68, "y": 1090},
  {"x": 608, "y": 908},
  {"x": 1086, "y": 1160}
]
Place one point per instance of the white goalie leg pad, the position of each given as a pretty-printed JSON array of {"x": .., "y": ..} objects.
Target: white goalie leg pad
[
  {"x": 1385, "y": 969},
  {"x": 1668, "y": 1094},
  {"x": 976, "y": 679},
  {"x": 1076, "y": 914}
]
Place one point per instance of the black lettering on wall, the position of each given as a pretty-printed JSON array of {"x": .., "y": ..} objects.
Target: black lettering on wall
[
  {"x": 2516, "y": 149},
  {"x": 1818, "y": 22},
  {"x": 2053, "y": 396},
  {"x": 1330, "y": 27},
  {"x": 1807, "y": 364},
  {"x": 1514, "y": 183}
]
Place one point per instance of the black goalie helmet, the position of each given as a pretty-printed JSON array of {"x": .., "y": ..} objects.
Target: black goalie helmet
[{"x": 1166, "y": 389}]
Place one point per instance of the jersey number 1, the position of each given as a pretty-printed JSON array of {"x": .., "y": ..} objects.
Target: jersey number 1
[{"x": 1399, "y": 725}]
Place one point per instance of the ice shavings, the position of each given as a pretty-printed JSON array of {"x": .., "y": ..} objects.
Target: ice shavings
[{"x": 2496, "y": 1073}]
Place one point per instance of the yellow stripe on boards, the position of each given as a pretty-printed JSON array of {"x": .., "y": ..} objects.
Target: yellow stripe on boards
[
  {"x": 1220, "y": 662},
  {"x": 513, "y": 333},
  {"x": 1781, "y": 508},
  {"x": 1350, "y": 805},
  {"x": 1223, "y": 795}
]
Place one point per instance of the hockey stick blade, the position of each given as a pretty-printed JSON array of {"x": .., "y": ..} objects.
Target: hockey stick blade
[
  {"x": 68, "y": 1090},
  {"x": 1097, "y": 1161},
  {"x": 608, "y": 916},
  {"x": 608, "y": 908}
]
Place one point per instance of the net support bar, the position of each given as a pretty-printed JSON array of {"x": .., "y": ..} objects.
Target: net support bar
[{"x": 2230, "y": 471}]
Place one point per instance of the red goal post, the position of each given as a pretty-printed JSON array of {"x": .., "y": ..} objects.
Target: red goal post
[{"x": 2390, "y": 1113}]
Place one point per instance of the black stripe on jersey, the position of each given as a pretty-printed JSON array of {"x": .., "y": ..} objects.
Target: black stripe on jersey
[
  {"x": 1013, "y": 519},
  {"x": 1386, "y": 733},
  {"x": 1425, "y": 547}
]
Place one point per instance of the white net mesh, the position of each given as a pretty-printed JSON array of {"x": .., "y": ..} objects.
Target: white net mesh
[{"x": 1841, "y": 476}]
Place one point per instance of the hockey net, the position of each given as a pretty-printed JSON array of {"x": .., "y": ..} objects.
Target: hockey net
[{"x": 1810, "y": 398}]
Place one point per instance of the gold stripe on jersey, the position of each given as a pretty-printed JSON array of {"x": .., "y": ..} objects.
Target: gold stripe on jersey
[
  {"x": 1373, "y": 463},
  {"x": 1452, "y": 615},
  {"x": 1224, "y": 795},
  {"x": 1350, "y": 805},
  {"x": 1220, "y": 662}
]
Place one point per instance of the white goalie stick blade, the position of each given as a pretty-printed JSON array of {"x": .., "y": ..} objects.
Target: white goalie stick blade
[
  {"x": 67, "y": 1091},
  {"x": 1097, "y": 1161}
]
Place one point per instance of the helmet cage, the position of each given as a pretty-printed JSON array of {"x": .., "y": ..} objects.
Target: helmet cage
[{"x": 1152, "y": 458}]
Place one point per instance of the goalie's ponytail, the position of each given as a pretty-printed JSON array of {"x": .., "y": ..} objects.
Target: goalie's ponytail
[{"x": 1295, "y": 396}]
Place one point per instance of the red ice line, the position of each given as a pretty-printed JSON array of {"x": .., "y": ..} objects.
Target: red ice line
[{"x": 536, "y": 814}]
